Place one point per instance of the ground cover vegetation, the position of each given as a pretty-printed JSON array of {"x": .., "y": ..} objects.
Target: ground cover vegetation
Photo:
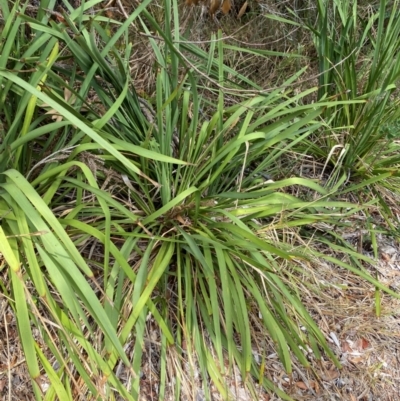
[{"x": 165, "y": 187}]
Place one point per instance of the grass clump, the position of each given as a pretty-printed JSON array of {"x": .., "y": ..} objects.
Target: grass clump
[{"x": 123, "y": 214}]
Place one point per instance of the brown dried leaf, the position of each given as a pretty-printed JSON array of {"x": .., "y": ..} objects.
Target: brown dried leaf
[
  {"x": 302, "y": 385},
  {"x": 364, "y": 343},
  {"x": 330, "y": 375},
  {"x": 242, "y": 9},
  {"x": 346, "y": 347},
  {"x": 226, "y": 6},
  {"x": 180, "y": 219},
  {"x": 356, "y": 359},
  {"x": 361, "y": 344},
  {"x": 214, "y": 6},
  {"x": 311, "y": 384}
]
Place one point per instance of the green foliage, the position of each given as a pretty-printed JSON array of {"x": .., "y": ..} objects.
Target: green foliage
[
  {"x": 391, "y": 131},
  {"x": 114, "y": 210},
  {"x": 358, "y": 60}
]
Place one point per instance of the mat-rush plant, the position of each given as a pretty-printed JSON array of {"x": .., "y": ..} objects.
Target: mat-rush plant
[
  {"x": 358, "y": 52},
  {"x": 118, "y": 215}
]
